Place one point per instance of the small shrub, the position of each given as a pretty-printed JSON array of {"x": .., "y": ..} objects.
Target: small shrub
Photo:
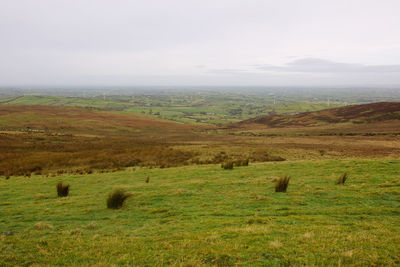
[
  {"x": 342, "y": 179},
  {"x": 116, "y": 199},
  {"x": 227, "y": 165},
  {"x": 62, "y": 189},
  {"x": 282, "y": 184}
]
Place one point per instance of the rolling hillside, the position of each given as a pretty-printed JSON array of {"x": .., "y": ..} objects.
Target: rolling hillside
[
  {"x": 207, "y": 216},
  {"x": 35, "y": 139},
  {"x": 357, "y": 114},
  {"x": 73, "y": 120},
  {"x": 52, "y": 139}
]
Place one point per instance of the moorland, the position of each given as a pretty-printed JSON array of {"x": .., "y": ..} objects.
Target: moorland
[{"x": 186, "y": 210}]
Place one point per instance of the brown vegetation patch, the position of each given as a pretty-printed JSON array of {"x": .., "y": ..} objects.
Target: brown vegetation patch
[
  {"x": 43, "y": 139},
  {"x": 358, "y": 113}
]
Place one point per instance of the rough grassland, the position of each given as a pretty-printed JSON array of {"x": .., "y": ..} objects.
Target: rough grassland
[
  {"x": 204, "y": 215},
  {"x": 194, "y": 108}
]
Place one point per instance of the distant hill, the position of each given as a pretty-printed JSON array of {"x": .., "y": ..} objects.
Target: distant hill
[{"x": 366, "y": 113}]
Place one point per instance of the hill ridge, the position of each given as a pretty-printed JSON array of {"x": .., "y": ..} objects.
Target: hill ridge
[{"x": 364, "y": 113}]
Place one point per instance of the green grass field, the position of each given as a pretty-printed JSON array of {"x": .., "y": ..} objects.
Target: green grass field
[
  {"x": 204, "y": 215},
  {"x": 209, "y": 108}
]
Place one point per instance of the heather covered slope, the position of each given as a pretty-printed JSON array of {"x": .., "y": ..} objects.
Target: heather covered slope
[
  {"x": 73, "y": 120},
  {"x": 366, "y": 113},
  {"x": 36, "y": 139},
  {"x": 52, "y": 139}
]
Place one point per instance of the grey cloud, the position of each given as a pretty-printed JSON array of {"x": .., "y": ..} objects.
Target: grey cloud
[
  {"x": 228, "y": 71},
  {"x": 317, "y": 65}
]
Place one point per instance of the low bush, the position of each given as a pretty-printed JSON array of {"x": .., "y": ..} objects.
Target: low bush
[
  {"x": 62, "y": 189},
  {"x": 117, "y": 198},
  {"x": 282, "y": 184}
]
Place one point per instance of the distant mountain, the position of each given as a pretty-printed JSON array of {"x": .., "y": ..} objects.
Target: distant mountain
[{"x": 366, "y": 113}]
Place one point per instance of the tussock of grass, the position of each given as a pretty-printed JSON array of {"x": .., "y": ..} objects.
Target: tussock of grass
[
  {"x": 40, "y": 196},
  {"x": 43, "y": 226},
  {"x": 342, "y": 179},
  {"x": 75, "y": 231},
  {"x": 241, "y": 162},
  {"x": 62, "y": 189},
  {"x": 227, "y": 165},
  {"x": 275, "y": 244},
  {"x": 282, "y": 184},
  {"x": 117, "y": 198},
  {"x": 91, "y": 226},
  {"x": 263, "y": 156},
  {"x": 258, "y": 220}
]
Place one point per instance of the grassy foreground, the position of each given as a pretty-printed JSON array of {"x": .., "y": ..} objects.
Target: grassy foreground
[{"x": 204, "y": 215}]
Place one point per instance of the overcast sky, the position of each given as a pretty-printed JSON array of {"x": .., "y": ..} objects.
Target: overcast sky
[{"x": 199, "y": 42}]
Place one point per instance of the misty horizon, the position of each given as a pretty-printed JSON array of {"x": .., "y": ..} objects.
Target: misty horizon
[{"x": 200, "y": 43}]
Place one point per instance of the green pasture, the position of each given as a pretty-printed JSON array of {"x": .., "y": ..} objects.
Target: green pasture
[{"x": 205, "y": 216}]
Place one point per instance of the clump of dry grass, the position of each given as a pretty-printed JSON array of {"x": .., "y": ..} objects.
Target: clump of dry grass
[
  {"x": 228, "y": 165},
  {"x": 262, "y": 156},
  {"x": 62, "y": 189},
  {"x": 241, "y": 162},
  {"x": 220, "y": 158},
  {"x": 281, "y": 184},
  {"x": 76, "y": 231},
  {"x": 258, "y": 220},
  {"x": 43, "y": 226},
  {"x": 275, "y": 244},
  {"x": 117, "y": 198},
  {"x": 342, "y": 179},
  {"x": 91, "y": 225},
  {"x": 40, "y": 196}
]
